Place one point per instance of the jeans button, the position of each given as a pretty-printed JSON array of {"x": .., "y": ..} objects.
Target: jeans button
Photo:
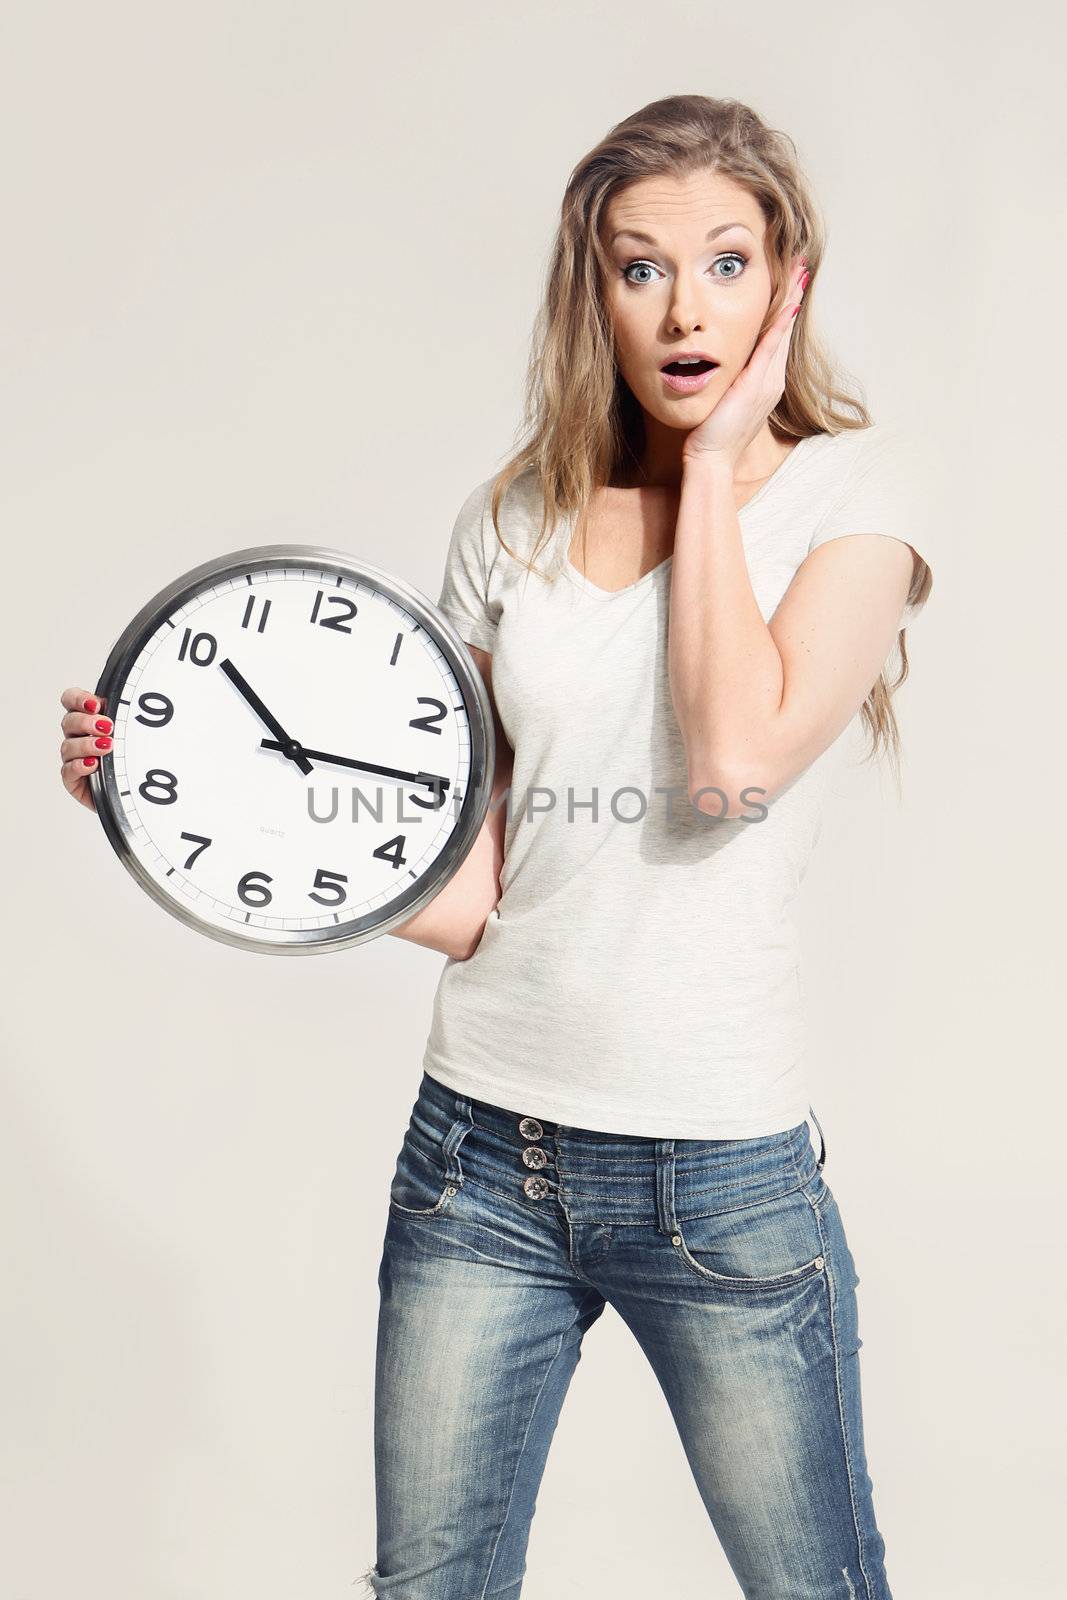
[
  {"x": 530, "y": 1128},
  {"x": 535, "y": 1157},
  {"x": 536, "y": 1188}
]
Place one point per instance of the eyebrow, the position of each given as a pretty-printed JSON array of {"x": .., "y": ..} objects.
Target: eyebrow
[{"x": 646, "y": 238}]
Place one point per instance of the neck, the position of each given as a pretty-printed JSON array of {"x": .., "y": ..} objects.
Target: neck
[{"x": 660, "y": 464}]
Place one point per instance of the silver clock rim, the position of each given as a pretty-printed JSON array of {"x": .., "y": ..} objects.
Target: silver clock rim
[{"x": 306, "y": 941}]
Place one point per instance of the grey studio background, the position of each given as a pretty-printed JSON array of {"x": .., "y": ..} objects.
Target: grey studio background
[{"x": 270, "y": 273}]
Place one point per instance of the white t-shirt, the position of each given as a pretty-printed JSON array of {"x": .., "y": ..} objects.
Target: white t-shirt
[{"x": 640, "y": 973}]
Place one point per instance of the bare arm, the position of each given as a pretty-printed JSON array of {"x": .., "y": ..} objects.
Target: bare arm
[
  {"x": 455, "y": 919},
  {"x": 757, "y": 702}
]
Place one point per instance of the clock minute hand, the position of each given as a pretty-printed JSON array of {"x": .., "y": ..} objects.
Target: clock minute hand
[
  {"x": 428, "y": 778},
  {"x": 288, "y": 747}
]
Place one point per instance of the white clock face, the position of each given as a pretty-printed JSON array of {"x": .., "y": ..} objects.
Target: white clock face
[{"x": 293, "y": 750}]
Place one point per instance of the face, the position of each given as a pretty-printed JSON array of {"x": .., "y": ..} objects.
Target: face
[{"x": 688, "y": 272}]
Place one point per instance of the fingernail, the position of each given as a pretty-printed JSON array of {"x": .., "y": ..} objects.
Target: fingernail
[
  {"x": 103, "y": 725},
  {"x": 795, "y": 310},
  {"x": 90, "y": 705},
  {"x": 102, "y": 744},
  {"x": 90, "y": 761},
  {"x": 804, "y": 280}
]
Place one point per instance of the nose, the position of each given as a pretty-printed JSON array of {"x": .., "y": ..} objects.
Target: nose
[{"x": 682, "y": 313}]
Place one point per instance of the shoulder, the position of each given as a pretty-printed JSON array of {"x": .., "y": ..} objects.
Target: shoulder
[
  {"x": 471, "y": 516},
  {"x": 519, "y": 514},
  {"x": 881, "y": 479},
  {"x": 478, "y": 501},
  {"x": 892, "y": 441},
  {"x": 888, "y": 465}
]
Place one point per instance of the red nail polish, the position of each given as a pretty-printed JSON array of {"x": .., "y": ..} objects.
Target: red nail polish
[
  {"x": 90, "y": 705},
  {"x": 804, "y": 280},
  {"x": 103, "y": 725},
  {"x": 103, "y": 744},
  {"x": 795, "y": 310},
  {"x": 90, "y": 761}
]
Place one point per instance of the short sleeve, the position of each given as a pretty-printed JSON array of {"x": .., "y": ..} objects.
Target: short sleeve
[
  {"x": 889, "y": 489},
  {"x": 465, "y": 598}
]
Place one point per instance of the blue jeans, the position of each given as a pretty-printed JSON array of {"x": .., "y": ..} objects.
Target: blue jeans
[{"x": 727, "y": 1259}]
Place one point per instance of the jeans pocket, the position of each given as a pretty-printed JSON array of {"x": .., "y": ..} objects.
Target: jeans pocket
[
  {"x": 420, "y": 1187},
  {"x": 767, "y": 1245},
  {"x": 428, "y": 1176}
]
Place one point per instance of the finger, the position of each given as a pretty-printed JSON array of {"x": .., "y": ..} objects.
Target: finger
[
  {"x": 91, "y": 744},
  {"x": 799, "y": 279},
  {"x": 780, "y": 337},
  {"x": 83, "y": 722},
  {"x": 75, "y": 775},
  {"x": 776, "y": 333},
  {"x": 795, "y": 298},
  {"x": 789, "y": 315},
  {"x": 774, "y": 372},
  {"x": 82, "y": 700}
]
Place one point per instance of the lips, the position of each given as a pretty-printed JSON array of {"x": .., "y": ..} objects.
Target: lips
[
  {"x": 690, "y": 355},
  {"x": 689, "y": 379}
]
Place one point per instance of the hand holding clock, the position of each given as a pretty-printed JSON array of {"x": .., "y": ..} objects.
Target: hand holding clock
[
  {"x": 86, "y": 739},
  {"x": 86, "y": 733},
  {"x": 78, "y": 749},
  {"x": 196, "y": 802}
]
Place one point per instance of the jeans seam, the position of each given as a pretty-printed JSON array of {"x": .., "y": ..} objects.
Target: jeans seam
[
  {"x": 802, "y": 1185},
  {"x": 831, "y": 1295},
  {"x": 519, "y": 1454},
  {"x": 747, "y": 1205}
]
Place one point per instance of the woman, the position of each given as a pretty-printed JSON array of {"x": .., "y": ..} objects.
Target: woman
[{"x": 613, "y": 1107}]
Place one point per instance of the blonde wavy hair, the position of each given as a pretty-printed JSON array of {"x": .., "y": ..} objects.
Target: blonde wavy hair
[{"x": 580, "y": 418}]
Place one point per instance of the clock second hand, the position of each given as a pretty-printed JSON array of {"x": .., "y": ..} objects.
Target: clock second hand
[
  {"x": 430, "y": 779},
  {"x": 289, "y": 747}
]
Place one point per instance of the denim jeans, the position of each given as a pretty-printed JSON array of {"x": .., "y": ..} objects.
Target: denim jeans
[{"x": 507, "y": 1235}]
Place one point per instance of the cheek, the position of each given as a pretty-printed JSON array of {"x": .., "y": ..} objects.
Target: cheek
[
  {"x": 626, "y": 324},
  {"x": 634, "y": 336},
  {"x": 631, "y": 350},
  {"x": 751, "y": 315},
  {"x": 737, "y": 337}
]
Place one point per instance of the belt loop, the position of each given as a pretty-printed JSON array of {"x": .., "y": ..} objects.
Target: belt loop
[
  {"x": 455, "y": 1137},
  {"x": 822, "y": 1138},
  {"x": 665, "y": 1219}
]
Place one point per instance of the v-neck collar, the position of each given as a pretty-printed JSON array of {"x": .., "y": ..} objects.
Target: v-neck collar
[{"x": 663, "y": 567}]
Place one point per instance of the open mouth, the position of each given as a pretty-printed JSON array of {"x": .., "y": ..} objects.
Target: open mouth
[{"x": 688, "y": 377}]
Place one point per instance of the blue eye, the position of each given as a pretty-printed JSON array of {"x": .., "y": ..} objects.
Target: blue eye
[
  {"x": 730, "y": 255},
  {"x": 626, "y": 269},
  {"x": 733, "y": 255}
]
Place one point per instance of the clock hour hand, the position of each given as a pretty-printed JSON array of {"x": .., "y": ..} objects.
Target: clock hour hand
[
  {"x": 288, "y": 747},
  {"x": 430, "y": 779}
]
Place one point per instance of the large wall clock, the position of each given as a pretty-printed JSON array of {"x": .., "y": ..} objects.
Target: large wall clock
[{"x": 303, "y": 749}]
